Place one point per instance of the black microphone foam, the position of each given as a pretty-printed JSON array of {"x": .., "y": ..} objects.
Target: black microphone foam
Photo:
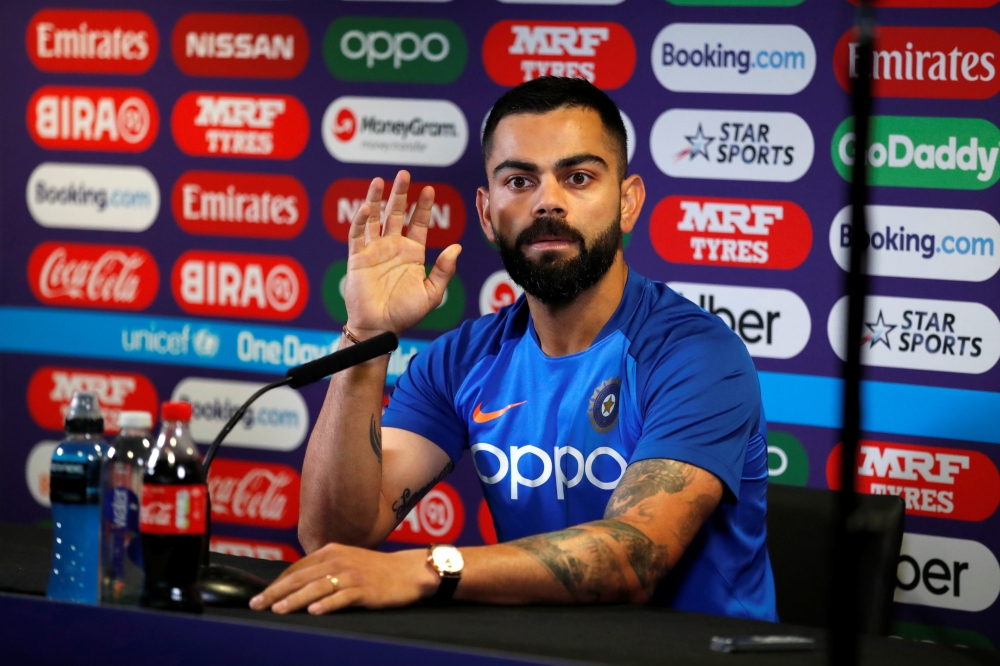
[{"x": 313, "y": 371}]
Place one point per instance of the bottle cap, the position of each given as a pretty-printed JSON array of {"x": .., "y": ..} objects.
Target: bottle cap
[
  {"x": 84, "y": 414},
  {"x": 176, "y": 411},
  {"x": 143, "y": 420}
]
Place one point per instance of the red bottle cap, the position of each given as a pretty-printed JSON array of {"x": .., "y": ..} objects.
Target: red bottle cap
[{"x": 176, "y": 411}]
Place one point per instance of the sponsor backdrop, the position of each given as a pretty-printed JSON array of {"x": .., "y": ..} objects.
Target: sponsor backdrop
[{"x": 177, "y": 185}]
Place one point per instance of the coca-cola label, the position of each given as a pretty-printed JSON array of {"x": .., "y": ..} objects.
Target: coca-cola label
[
  {"x": 438, "y": 518},
  {"x": 219, "y": 203},
  {"x": 174, "y": 510},
  {"x": 94, "y": 41},
  {"x": 262, "y": 550},
  {"x": 83, "y": 118},
  {"x": 253, "y": 493},
  {"x": 211, "y": 124},
  {"x": 231, "y": 284},
  {"x": 117, "y": 277},
  {"x": 51, "y": 389},
  {"x": 344, "y": 197},
  {"x": 258, "y": 46}
]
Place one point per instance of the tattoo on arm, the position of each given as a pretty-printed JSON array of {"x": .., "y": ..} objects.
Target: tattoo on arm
[
  {"x": 408, "y": 499},
  {"x": 587, "y": 567},
  {"x": 645, "y": 479},
  {"x": 375, "y": 439}
]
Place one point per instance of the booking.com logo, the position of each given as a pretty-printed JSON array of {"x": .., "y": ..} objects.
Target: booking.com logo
[
  {"x": 585, "y": 466},
  {"x": 743, "y": 61}
]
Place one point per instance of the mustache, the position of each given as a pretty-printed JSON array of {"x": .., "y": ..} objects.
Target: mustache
[{"x": 549, "y": 226}]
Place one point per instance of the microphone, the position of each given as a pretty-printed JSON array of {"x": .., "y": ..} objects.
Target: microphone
[{"x": 315, "y": 370}]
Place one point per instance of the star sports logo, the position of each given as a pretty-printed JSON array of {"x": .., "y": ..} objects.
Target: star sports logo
[
  {"x": 878, "y": 332},
  {"x": 699, "y": 145}
]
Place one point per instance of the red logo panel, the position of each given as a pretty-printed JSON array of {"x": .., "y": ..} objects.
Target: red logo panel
[
  {"x": 438, "y": 518},
  {"x": 745, "y": 233},
  {"x": 240, "y": 204},
  {"x": 122, "y": 120},
  {"x": 230, "y": 284},
  {"x": 262, "y": 550},
  {"x": 252, "y": 493},
  {"x": 345, "y": 196},
  {"x": 172, "y": 509},
  {"x": 518, "y": 51},
  {"x": 94, "y": 41},
  {"x": 51, "y": 389},
  {"x": 117, "y": 277},
  {"x": 260, "y": 46}
]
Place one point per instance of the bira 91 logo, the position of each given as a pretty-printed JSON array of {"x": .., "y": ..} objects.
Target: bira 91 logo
[
  {"x": 92, "y": 41},
  {"x": 518, "y": 51},
  {"x": 344, "y": 197},
  {"x": 950, "y": 63},
  {"x": 261, "y": 550},
  {"x": 218, "y": 203},
  {"x": 747, "y": 233},
  {"x": 498, "y": 291},
  {"x": 254, "y": 493},
  {"x": 258, "y": 46},
  {"x": 82, "y": 118},
  {"x": 240, "y": 125},
  {"x": 438, "y": 518},
  {"x": 230, "y": 284},
  {"x": 933, "y": 481},
  {"x": 117, "y": 277},
  {"x": 51, "y": 389},
  {"x": 914, "y": 151}
]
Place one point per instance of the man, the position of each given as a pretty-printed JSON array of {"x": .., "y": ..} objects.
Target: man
[{"x": 616, "y": 427}]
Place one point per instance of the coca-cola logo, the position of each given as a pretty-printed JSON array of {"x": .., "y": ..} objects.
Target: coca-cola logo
[
  {"x": 252, "y": 493},
  {"x": 96, "y": 41},
  {"x": 221, "y": 203},
  {"x": 212, "y": 124},
  {"x": 51, "y": 389},
  {"x": 262, "y": 550},
  {"x": 157, "y": 513},
  {"x": 117, "y": 277},
  {"x": 83, "y": 118},
  {"x": 447, "y": 219},
  {"x": 438, "y": 518},
  {"x": 173, "y": 509},
  {"x": 258, "y": 46}
]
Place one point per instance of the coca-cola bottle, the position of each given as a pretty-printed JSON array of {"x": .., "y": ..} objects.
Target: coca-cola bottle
[{"x": 173, "y": 516}]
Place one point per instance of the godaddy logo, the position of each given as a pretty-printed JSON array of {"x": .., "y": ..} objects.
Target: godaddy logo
[
  {"x": 910, "y": 151},
  {"x": 400, "y": 50}
]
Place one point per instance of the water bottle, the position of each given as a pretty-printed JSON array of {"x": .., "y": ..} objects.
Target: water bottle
[
  {"x": 121, "y": 547},
  {"x": 75, "y": 490}
]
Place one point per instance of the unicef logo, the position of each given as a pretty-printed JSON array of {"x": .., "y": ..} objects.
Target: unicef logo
[
  {"x": 205, "y": 343},
  {"x": 604, "y": 405}
]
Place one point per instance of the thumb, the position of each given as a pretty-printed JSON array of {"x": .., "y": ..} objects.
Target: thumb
[{"x": 443, "y": 269}]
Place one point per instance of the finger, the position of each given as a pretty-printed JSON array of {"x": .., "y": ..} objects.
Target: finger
[
  {"x": 444, "y": 268},
  {"x": 421, "y": 217},
  {"x": 356, "y": 235},
  {"x": 395, "y": 210},
  {"x": 287, "y": 585},
  {"x": 314, "y": 591},
  {"x": 352, "y": 596},
  {"x": 373, "y": 219}
]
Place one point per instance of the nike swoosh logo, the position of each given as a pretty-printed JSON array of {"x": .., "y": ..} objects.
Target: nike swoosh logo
[{"x": 480, "y": 416}]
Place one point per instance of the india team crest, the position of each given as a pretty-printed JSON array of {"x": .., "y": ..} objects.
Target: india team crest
[{"x": 604, "y": 405}]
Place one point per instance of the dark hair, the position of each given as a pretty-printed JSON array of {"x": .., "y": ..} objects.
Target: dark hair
[{"x": 549, "y": 93}]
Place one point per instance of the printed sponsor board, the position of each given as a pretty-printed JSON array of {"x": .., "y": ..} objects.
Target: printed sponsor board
[
  {"x": 498, "y": 291},
  {"x": 231, "y": 284},
  {"x": 262, "y": 550},
  {"x": 933, "y": 481},
  {"x": 93, "y": 41},
  {"x": 209, "y": 124},
  {"x": 736, "y": 3},
  {"x": 438, "y": 518},
  {"x": 51, "y": 389},
  {"x": 36, "y": 471},
  {"x": 744, "y": 233},
  {"x": 915, "y": 151},
  {"x": 253, "y": 205},
  {"x": 122, "y": 120},
  {"x": 118, "y": 277},
  {"x": 277, "y": 421},
  {"x": 734, "y": 58},
  {"x": 946, "y": 635},
  {"x": 254, "y": 493},
  {"x": 515, "y": 51},
  {"x": 787, "y": 460},
  {"x": 921, "y": 334},
  {"x": 959, "y": 574},
  {"x": 731, "y": 145},
  {"x": 484, "y": 520},
  {"x": 259, "y": 46},
  {"x": 773, "y": 323},
  {"x": 345, "y": 196},
  {"x": 93, "y": 196}
]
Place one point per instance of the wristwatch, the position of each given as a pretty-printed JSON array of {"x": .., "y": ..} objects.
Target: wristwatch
[{"x": 447, "y": 561}]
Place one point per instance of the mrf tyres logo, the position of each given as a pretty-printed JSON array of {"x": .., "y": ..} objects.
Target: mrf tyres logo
[
  {"x": 260, "y": 46},
  {"x": 438, "y": 518},
  {"x": 399, "y": 50},
  {"x": 51, "y": 389},
  {"x": 83, "y": 118},
  {"x": 254, "y": 493},
  {"x": 734, "y": 58},
  {"x": 498, "y": 291},
  {"x": 746, "y": 233},
  {"x": 114, "y": 277},
  {"x": 958, "y": 574},
  {"x": 950, "y": 63},
  {"x": 519, "y": 51},
  {"x": 92, "y": 41},
  {"x": 914, "y": 151}
]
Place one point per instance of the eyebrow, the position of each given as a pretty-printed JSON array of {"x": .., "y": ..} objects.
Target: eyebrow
[{"x": 564, "y": 163}]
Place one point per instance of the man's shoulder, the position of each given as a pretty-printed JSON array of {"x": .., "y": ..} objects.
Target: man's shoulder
[{"x": 476, "y": 339}]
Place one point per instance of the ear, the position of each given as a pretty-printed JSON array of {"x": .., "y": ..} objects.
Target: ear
[
  {"x": 633, "y": 195},
  {"x": 483, "y": 208}
]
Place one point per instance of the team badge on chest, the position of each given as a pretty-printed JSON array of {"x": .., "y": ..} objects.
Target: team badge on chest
[{"x": 604, "y": 405}]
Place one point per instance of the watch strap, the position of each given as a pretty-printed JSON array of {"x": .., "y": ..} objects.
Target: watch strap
[{"x": 446, "y": 590}]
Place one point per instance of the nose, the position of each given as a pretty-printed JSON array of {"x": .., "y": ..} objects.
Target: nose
[{"x": 550, "y": 199}]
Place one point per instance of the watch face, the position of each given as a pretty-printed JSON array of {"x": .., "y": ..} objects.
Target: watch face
[{"x": 447, "y": 559}]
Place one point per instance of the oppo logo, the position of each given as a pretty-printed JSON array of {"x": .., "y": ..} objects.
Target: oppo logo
[
  {"x": 92, "y": 41},
  {"x": 498, "y": 291},
  {"x": 603, "y": 467},
  {"x": 82, "y": 118},
  {"x": 438, "y": 517},
  {"x": 93, "y": 196},
  {"x": 36, "y": 471},
  {"x": 959, "y": 574},
  {"x": 260, "y": 46}
]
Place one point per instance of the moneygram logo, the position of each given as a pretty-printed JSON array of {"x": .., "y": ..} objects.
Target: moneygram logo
[
  {"x": 748, "y": 233},
  {"x": 913, "y": 151},
  {"x": 927, "y": 243},
  {"x": 498, "y": 291},
  {"x": 93, "y": 196},
  {"x": 518, "y": 51},
  {"x": 773, "y": 323},
  {"x": 51, "y": 389},
  {"x": 947, "y": 573},
  {"x": 933, "y": 481},
  {"x": 731, "y": 145},
  {"x": 240, "y": 125},
  {"x": 922, "y": 334},
  {"x": 92, "y": 41},
  {"x": 229, "y": 284},
  {"x": 254, "y": 493},
  {"x": 734, "y": 58},
  {"x": 787, "y": 460},
  {"x": 951, "y": 63},
  {"x": 394, "y": 49},
  {"x": 116, "y": 277},
  {"x": 438, "y": 518},
  {"x": 82, "y": 118},
  {"x": 36, "y": 471},
  {"x": 261, "y": 550},
  {"x": 259, "y": 46},
  {"x": 344, "y": 197},
  {"x": 219, "y": 203},
  {"x": 277, "y": 421}
]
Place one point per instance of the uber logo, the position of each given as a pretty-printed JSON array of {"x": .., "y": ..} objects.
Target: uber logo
[{"x": 948, "y": 573}]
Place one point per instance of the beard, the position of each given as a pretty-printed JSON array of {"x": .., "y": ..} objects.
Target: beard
[{"x": 550, "y": 279}]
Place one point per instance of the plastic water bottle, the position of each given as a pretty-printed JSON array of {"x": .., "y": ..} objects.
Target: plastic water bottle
[
  {"x": 75, "y": 490},
  {"x": 121, "y": 546}
]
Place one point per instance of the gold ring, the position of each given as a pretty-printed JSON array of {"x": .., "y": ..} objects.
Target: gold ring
[{"x": 334, "y": 582}]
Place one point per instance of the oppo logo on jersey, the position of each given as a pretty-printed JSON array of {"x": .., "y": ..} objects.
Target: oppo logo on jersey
[
  {"x": 438, "y": 518},
  {"x": 92, "y": 41},
  {"x": 603, "y": 467},
  {"x": 51, "y": 389},
  {"x": 81, "y": 118},
  {"x": 259, "y": 46}
]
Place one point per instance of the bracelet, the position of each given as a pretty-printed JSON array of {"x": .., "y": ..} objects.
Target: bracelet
[{"x": 350, "y": 336}]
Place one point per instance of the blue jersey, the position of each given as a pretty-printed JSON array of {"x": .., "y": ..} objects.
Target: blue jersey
[{"x": 551, "y": 436}]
